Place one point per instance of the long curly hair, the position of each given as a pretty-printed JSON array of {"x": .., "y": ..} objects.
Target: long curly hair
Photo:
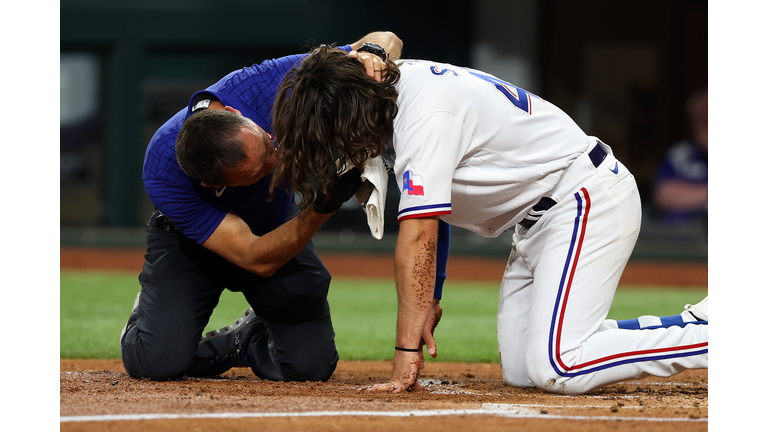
[{"x": 328, "y": 113}]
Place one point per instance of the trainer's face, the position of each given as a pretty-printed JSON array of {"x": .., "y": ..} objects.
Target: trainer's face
[{"x": 259, "y": 147}]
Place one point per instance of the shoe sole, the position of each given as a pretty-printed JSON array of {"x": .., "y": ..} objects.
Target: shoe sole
[{"x": 228, "y": 329}]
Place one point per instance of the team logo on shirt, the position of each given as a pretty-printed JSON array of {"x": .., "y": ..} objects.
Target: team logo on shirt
[{"x": 413, "y": 184}]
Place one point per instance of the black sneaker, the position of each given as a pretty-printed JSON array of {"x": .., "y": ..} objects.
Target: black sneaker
[{"x": 220, "y": 350}]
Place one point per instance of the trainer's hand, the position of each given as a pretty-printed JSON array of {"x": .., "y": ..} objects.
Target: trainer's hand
[
  {"x": 375, "y": 67},
  {"x": 338, "y": 192},
  {"x": 428, "y": 335},
  {"x": 405, "y": 374}
]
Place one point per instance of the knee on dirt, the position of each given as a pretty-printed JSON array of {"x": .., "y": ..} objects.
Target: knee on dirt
[
  {"x": 513, "y": 370},
  {"x": 319, "y": 368},
  {"x": 159, "y": 367},
  {"x": 546, "y": 377}
]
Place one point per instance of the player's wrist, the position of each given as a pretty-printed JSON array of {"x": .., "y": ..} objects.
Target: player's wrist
[{"x": 409, "y": 342}]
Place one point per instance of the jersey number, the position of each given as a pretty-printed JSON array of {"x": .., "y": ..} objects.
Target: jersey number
[{"x": 519, "y": 97}]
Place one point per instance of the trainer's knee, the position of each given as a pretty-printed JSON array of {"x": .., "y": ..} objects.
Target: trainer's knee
[
  {"x": 156, "y": 371},
  {"x": 316, "y": 368},
  {"x": 158, "y": 365}
]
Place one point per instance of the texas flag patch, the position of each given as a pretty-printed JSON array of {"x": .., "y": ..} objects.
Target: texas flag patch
[{"x": 413, "y": 184}]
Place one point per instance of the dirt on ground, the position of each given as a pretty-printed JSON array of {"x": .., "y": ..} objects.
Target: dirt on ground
[
  {"x": 98, "y": 395},
  {"x": 101, "y": 387}
]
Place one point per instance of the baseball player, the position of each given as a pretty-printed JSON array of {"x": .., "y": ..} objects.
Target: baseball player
[
  {"x": 217, "y": 225},
  {"x": 480, "y": 153}
]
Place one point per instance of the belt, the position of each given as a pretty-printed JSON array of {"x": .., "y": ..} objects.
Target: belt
[
  {"x": 597, "y": 155},
  {"x": 163, "y": 223}
]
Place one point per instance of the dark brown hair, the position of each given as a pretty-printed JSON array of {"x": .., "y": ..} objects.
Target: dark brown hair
[
  {"x": 208, "y": 144},
  {"x": 328, "y": 109}
]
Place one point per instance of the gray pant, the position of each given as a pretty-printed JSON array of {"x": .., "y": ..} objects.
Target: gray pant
[{"x": 181, "y": 284}]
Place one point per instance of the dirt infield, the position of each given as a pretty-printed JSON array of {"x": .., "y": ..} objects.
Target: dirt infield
[
  {"x": 97, "y": 395},
  {"x": 94, "y": 393}
]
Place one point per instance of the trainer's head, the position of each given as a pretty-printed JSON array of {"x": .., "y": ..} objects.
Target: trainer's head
[
  {"x": 223, "y": 148},
  {"x": 326, "y": 109}
]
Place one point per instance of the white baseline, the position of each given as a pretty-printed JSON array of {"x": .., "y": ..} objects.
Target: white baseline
[{"x": 502, "y": 410}]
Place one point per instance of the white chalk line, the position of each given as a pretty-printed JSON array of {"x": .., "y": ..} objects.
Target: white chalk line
[{"x": 501, "y": 410}]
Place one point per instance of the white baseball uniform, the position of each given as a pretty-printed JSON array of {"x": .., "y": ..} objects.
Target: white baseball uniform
[{"x": 485, "y": 155}]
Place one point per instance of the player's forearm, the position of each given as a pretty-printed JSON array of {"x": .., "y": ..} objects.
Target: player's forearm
[
  {"x": 387, "y": 40},
  {"x": 415, "y": 258}
]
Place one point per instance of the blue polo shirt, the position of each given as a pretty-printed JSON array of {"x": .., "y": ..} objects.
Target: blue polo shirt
[{"x": 195, "y": 210}]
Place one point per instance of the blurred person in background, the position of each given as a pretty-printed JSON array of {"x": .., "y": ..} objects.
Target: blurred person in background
[
  {"x": 680, "y": 190},
  {"x": 215, "y": 226}
]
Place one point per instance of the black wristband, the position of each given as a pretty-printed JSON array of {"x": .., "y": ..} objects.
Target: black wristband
[
  {"x": 374, "y": 49},
  {"x": 407, "y": 349}
]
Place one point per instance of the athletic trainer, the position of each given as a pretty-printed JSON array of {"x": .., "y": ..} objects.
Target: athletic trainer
[{"x": 215, "y": 226}]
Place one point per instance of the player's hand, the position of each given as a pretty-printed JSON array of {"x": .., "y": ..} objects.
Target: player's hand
[
  {"x": 405, "y": 373},
  {"x": 338, "y": 192},
  {"x": 375, "y": 67},
  {"x": 428, "y": 335}
]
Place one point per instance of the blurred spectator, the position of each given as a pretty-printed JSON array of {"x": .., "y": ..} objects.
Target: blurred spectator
[{"x": 681, "y": 181}]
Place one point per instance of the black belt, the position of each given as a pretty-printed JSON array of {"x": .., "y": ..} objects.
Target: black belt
[
  {"x": 597, "y": 156},
  {"x": 162, "y": 222}
]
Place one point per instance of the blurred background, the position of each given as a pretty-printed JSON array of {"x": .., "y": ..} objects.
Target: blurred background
[{"x": 624, "y": 70}]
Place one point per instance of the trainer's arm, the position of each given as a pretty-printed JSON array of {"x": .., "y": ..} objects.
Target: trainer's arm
[
  {"x": 375, "y": 67},
  {"x": 387, "y": 40},
  {"x": 263, "y": 255}
]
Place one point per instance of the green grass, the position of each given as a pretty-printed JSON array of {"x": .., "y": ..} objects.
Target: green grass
[{"x": 95, "y": 306}]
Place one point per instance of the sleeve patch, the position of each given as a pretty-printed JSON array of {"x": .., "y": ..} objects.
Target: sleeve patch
[{"x": 413, "y": 184}]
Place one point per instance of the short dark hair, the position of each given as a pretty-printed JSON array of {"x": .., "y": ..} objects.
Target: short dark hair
[
  {"x": 208, "y": 144},
  {"x": 327, "y": 108}
]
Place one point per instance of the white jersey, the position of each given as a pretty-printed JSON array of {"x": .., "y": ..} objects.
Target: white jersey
[
  {"x": 474, "y": 149},
  {"x": 480, "y": 153}
]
